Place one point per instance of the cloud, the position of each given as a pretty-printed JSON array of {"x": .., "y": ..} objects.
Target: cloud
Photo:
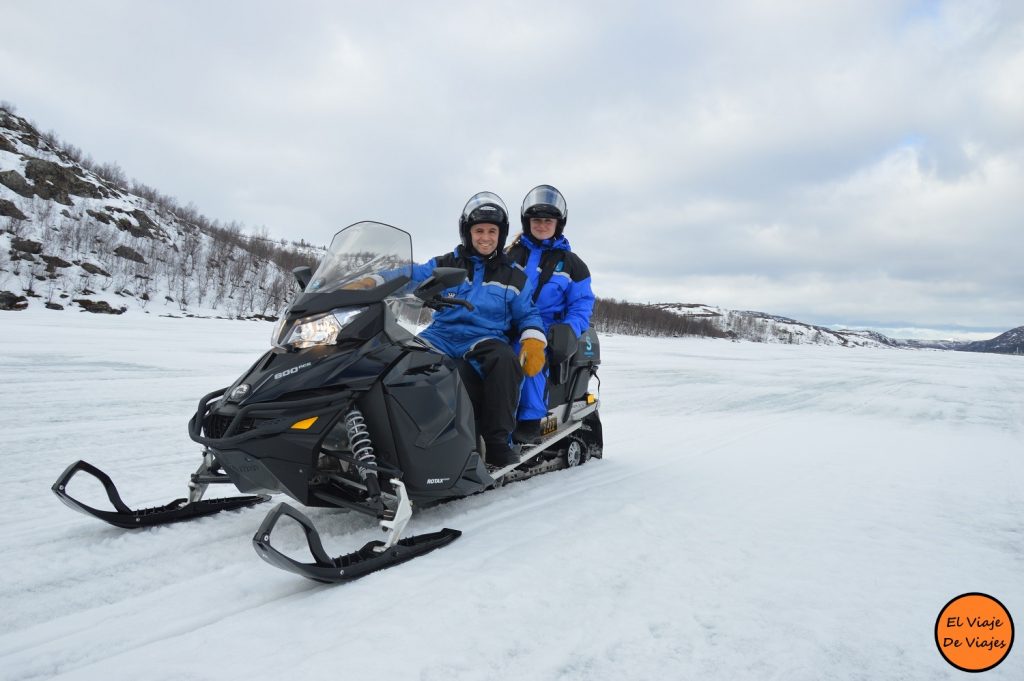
[{"x": 846, "y": 158}]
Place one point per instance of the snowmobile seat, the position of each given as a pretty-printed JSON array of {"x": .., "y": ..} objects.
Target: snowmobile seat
[
  {"x": 562, "y": 345},
  {"x": 571, "y": 363}
]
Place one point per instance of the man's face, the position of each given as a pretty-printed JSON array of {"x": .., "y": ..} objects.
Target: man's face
[{"x": 484, "y": 237}]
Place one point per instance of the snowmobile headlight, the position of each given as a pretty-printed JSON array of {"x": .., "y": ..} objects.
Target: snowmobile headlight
[{"x": 320, "y": 330}]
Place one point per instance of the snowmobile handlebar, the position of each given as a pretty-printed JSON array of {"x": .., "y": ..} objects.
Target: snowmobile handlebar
[{"x": 438, "y": 302}]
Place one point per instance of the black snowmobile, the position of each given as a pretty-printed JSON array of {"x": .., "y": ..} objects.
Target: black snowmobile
[{"x": 349, "y": 409}]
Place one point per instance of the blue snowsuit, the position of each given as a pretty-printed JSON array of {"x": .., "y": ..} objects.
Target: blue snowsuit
[
  {"x": 566, "y": 298},
  {"x": 500, "y": 294}
]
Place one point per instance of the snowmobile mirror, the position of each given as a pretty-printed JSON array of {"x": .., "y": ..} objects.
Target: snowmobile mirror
[
  {"x": 442, "y": 278},
  {"x": 303, "y": 275}
]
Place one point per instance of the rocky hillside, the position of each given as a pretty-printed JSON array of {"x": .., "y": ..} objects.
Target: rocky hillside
[{"x": 77, "y": 235}]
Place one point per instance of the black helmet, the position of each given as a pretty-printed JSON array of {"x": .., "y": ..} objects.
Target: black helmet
[
  {"x": 544, "y": 201},
  {"x": 484, "y": 207}
]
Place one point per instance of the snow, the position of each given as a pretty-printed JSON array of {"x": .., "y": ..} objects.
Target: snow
[{"x": 763, "y": 512}]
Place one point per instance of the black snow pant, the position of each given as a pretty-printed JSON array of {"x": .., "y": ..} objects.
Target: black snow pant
[{"x": 495, "y": 394}]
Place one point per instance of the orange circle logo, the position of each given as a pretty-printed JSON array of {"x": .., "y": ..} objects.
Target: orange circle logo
[{"x": 974, "y": 632}]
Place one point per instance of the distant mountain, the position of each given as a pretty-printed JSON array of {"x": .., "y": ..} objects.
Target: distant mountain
[
  {"x": 1009, "y": 343},
  {"x": 78, "y": 235},
  {"x": 762, "y": 327},
  {"x": 918, "y": 344}
]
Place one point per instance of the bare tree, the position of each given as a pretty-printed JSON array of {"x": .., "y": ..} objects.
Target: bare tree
[
  {"x": 17, "y": 227},
  {"x": 6, "y": 270},
  {"x": 112, "y": 173}
]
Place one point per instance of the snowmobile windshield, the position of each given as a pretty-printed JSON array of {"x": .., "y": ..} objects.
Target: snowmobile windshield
[
  {"x": 363, "y": 256},
  {"x": 366, "y": 257}
]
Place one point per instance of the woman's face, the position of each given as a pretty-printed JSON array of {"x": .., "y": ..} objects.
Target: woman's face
[
  {"x": 484, "y": 237},
  {"x": 543, "y": 228}
]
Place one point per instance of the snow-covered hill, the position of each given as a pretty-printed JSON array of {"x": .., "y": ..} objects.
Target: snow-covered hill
[
  {"x": 761, "y": 327},
  {"x": 767, "y": 328},
  {"x": 71, "y": 238},
  {"x": 1009, "y": 343},
  {"x": 763, "y": 511}
]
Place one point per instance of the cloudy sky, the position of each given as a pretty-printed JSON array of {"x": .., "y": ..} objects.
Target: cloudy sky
[{"x": 842, "y": 162}]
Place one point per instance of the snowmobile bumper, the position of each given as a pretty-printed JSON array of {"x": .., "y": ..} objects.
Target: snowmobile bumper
[
  {"x": 259, "y": 446},
  {"x": 123, "y": 516},
  {"x": 257, "y": 420}
]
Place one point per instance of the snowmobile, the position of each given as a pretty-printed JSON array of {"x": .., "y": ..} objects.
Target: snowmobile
[{"x": 350, "y": 409}]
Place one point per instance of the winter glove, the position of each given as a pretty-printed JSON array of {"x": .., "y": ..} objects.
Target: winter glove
[
  {"x": 364, "y": 283},
  {"x": 531, "y": 356}
]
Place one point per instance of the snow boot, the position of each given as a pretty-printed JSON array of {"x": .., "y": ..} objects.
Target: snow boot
[
  {"x": 527, "y": 432},
  {"x": 500, "y": 454}
]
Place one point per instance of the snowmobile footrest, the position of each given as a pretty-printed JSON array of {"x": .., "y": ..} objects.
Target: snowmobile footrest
[
  {"x": 176, "y": 511},
  {"x": 349, "y": 566}
]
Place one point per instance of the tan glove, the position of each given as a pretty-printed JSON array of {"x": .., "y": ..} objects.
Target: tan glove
[
  {"x": 364, "y": 283},
  {"x": 531, "y": 356}
]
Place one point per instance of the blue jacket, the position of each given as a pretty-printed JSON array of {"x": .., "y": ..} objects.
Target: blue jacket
[
  {"x": 500, "y": 294},
  {"x": 566, "y": 297}
]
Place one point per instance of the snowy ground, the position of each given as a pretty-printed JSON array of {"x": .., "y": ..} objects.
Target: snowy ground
[{"x": 763, "y": 512}]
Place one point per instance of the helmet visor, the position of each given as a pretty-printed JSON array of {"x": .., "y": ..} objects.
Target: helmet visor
[
  {"x": 485, "y": 207},
  {"x": 544, "y": 202}
]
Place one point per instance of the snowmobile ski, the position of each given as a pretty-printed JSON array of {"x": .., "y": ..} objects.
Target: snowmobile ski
[
  {"x": 176, "y": 511},
  {"x": 375, "y": 555}
]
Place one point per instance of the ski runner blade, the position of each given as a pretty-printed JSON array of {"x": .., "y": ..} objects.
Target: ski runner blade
[
  {"x": 350, "y": 566},
  {"x": 176, "y": 511}
]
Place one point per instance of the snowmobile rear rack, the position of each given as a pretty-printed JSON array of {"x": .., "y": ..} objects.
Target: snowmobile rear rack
[
  {"x": 375, "y": 555},
  {"x": 176, "y": 511}
]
